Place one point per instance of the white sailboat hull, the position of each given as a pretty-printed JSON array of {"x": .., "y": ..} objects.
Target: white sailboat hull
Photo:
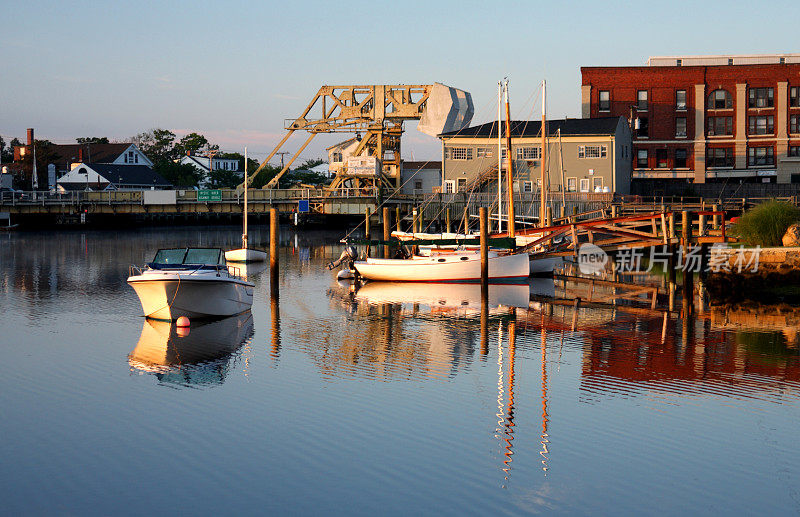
[
  {"x": 444, "y": 268},
  {"x": 245, "y": 255},
  {"x": 170, "y": 295},
  {"x": 543, "y": 265}
]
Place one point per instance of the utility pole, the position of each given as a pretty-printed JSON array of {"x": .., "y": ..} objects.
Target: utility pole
[
  {"x": 211, "y": 154},
  {"x": 284, "y": 153}
]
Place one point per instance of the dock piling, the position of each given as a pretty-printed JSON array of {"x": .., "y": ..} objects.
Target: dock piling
[
  {"x": 366, "y": 228},
  {"x": 273, "y": 248},
  {"x": 387, "y": 230},
  {"x": 484, "y": 222},
  {"x": 447, "y": 219}
]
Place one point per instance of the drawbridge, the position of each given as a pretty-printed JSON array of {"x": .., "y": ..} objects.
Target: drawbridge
[{"x": 375, "y": 113}]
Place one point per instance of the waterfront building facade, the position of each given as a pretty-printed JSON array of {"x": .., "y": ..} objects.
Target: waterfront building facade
[
  {"x": 699, "y": 119},
  {"x": 594, "y": 154}
]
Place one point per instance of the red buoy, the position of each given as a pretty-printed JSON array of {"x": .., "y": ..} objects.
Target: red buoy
[{"x": 183, "y": 321}]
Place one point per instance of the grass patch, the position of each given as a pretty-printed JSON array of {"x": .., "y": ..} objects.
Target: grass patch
[{"x": 765, "y": 224}]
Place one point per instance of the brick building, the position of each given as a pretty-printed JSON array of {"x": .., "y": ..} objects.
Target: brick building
[{"x": 705, "y": 118}]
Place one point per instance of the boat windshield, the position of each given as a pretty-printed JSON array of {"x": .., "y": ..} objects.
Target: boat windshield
[{"x": 189, "y": 256}]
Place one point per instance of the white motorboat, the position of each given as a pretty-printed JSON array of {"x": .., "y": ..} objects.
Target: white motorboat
[
  {"x": 245, "y": 254},
  {"x": 191, "y": 282},
  {"x": 455, "y": 267}
]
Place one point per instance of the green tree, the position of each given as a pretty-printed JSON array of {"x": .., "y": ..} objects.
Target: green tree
[
  {"x": 180, "y": 175},
  {"x": 193, "y": 142},
  {"x": 157, "y": 144},
  {"x": 310, "y": 163},
  {"x": 92, "y": 140},
  {"x": 224, "y": 179},
  {"x": 264, "y": 175}
]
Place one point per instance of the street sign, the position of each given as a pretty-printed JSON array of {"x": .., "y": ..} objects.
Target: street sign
[
  {"x": 302, "y": 206},
  {"x": 209, "y": 195}
]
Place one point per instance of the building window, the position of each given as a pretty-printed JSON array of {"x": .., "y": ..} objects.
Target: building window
[
  {"x": 641, "y": 159},
  {"x": 446, "y": 153},
  {"x": 483, "y": 152},
  {"x": 462, "y": 184},
  {"x": 417, "y": 185},
  {"x": 461, "y": 153},
  {"x": 605, "y": 101},
  {"x": 585, "y": 185},
  {"x": 794, "y": 151},
  {"x": 761, "y": 98},
  {"x": 641, "y": 100},
  {"x": 592, "y": 151},
  {"x": 503, "y": 153},
  {"x": 449, "y": 186},
  {"x": 680, "y": 158},
  {"x": 719, "y": 126},
  {"x": 527, "y": 153},
  {"x": 337, "y": 157},
  {"x": 572, "y": 184},
  {"x": 719, "y": 100},
  {"x": 794, "y": 124},
  {"x": 679, "y": 62},
  {"x": 730, "y": 60},
  {"x": 763, "y": 125},
  {"x": 757, "y": 156},
  {"x": 794, "y": 97},
  {"x": 782, "y": 61},
  {"x": 720, "y": 157},
  {"x": 135, "y": 158},
  {"x": 527, "y": 186},
  {"x": 597, "y": 184},
  {"x": 661, "y": 159},
  {"x": 680, "y": 100},
  {"x": 642, "y": 127},
  {"x": 680, "y": 127}
]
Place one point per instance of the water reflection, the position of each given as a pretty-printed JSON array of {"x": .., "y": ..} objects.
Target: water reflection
[{"x": 196, "y": 356}]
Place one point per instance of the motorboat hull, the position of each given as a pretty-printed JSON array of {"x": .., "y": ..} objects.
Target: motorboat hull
[
  {"x": 445, "y": 268},
  {"x": 245, "y": 255},
  {"x": 170, "y": 296}
]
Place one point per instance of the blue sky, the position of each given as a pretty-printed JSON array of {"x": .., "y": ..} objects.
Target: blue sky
[{"x": 235, "y": 70}]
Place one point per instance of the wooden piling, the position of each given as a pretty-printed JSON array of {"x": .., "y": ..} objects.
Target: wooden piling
[
  {"x": 397, "y": 218},
  {"x": 447, "y": 220},
  {"x": 274, "y": 239},
  {"x": 414, "y": 220},
  {"x": 686, "y": 230},
  {"x": 465, "y": 221},
  {"x": 613, "y": 211},
  {"x": 715, "y": 219},
  {"x": 549, "y": 219},
  {"x": 366, "y": 228},
  {"x": 387, "y": 230},
  {"x": 702, "y": 227},
  {"x": 672, "y": 225},
  {"x": 484, "y": 225},
  {"x": 563, "y": 211}
]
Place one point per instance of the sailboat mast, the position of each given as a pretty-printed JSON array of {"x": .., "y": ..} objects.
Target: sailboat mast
[
  {"x": 543, "y": 188},
  {"x": 244, "y": 228},
  {"x": 499, "y": 157},
  {"x": 510, "y": 171}
]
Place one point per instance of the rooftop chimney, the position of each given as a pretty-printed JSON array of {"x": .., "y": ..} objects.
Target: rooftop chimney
[{"x": 30, "y": 136}]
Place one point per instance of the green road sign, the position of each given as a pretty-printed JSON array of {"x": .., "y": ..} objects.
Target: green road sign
[{"x": 209, "y": 195}]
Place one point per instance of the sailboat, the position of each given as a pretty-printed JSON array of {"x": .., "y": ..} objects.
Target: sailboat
[
  {"x": 538, "y": 265},
  {"x": 245, "y": 254}
]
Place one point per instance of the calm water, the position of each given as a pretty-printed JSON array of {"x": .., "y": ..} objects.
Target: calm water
[{"x": 383, "y": 401}]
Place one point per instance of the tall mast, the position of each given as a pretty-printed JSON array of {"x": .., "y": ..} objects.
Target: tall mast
[
  {"x": 543, "y": 189},
  {"x": 244, "y": 234},
  {"x": 499, "y": 157},
  {"x": 510, "y": 171}
]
